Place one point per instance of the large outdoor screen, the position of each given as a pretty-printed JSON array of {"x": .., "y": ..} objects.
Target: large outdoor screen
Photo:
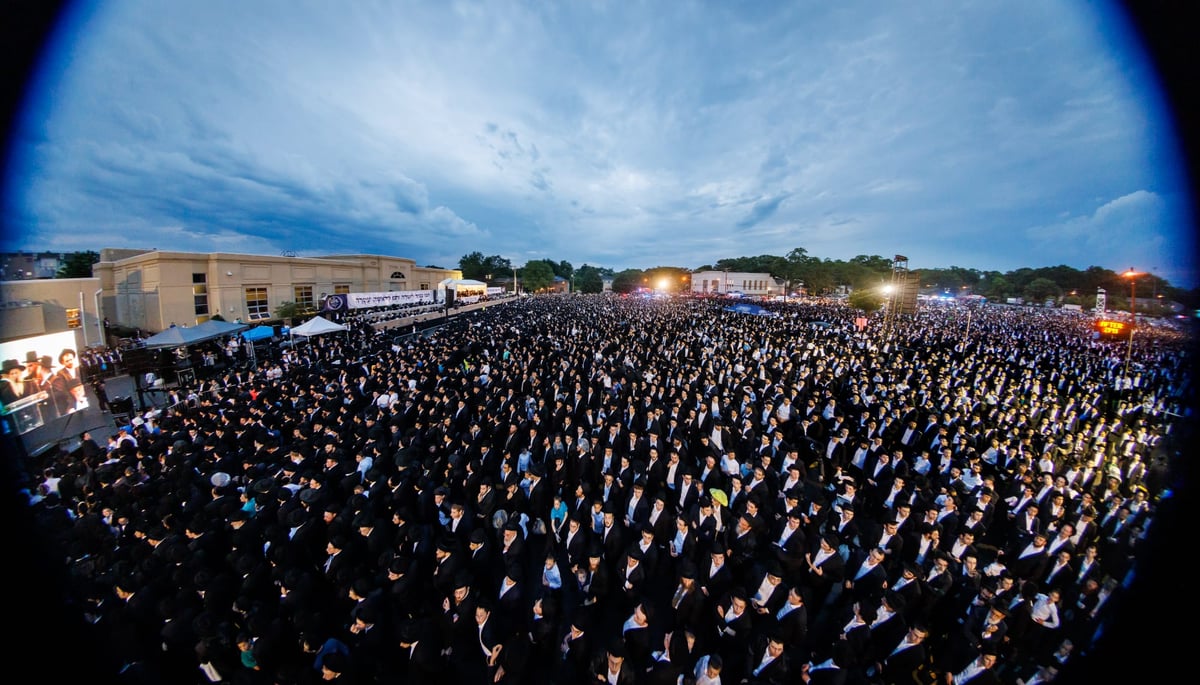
[{"x": 42, "y": 370}]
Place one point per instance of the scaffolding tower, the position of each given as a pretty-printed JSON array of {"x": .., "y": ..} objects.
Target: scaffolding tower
[{"x": 902, "y": 293}]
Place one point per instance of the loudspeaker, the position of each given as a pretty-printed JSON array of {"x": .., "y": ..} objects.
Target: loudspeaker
[{"x": 906, "y": 299}]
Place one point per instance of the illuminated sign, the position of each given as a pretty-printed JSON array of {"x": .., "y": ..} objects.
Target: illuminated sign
[{"x": 1111, "y": 327}]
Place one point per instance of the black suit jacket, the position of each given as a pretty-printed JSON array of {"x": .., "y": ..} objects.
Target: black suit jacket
[
  {"x": 423, "y": 662},
  {"x": 793, "y": 628},
  {"x": 899, "y": 667},
  {"x": 627, "y": 676},
  {"x": 661, "y": 673},
  {"x": 775, "y": 673},
  {"x": 690, "y": 610}
]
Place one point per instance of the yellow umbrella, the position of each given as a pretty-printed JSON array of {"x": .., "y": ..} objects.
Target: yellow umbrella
[{"x": 719, "y": 496}]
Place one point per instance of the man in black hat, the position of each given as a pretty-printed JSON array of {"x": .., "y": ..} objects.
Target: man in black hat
[
  {"x": 770, "y": 591},
  {"x": 377, "y": 536},
  {"x": 539, "y": 495},
  {"x": 788, "y": 544},
  {"x": 484, "y": 658},
  {"x": 767, "y": 662},
  {"x": 67, "y": 383},
  {"x": 611, "y": 536},
  {"x": 791, "y": 620},
  {"x": 611, "y": 668},
  {"x": 636, "y": 508},
  {"x": 456, "y": 619},
  {"x": 902, "y": 657},
  {"x": 733, "y": 629},
  {"x": 687, "y": 603},
  {"x": 978, "y": 672},
  {"x": 573, "y": 541},
  {"x": 646, "y": 544},
  {"x": 485, "y": 501},
  {"x": 510, "y": 597},
  {"x": 573, "y": 652},
  {"x": 867, "y": 578},
  {"x": 12, "y": 381},
  {"x": 512, "y": 547},
  {"x": 825, "y": 569},
  {"x": 447, "y": 565},
  {"x": 632, "y": 577},
  {"x": 419, "y": 659}
]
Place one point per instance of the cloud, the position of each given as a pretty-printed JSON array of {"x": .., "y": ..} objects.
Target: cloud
[
  {"x": 762, "y": 211},
  {"x": 1133, "y": 227},
  {"x": 609, "y": 134}
]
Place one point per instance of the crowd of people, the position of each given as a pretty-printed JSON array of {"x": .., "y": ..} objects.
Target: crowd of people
[{"x": 571, "y": 489}]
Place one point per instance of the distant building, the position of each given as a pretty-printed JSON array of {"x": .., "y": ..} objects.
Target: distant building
[
  {"x": 606, "y": 284},
  {"x": 744, "y": 282},
  {"x": 19, "y": 266},
  {"x": 153, "y": 289}
]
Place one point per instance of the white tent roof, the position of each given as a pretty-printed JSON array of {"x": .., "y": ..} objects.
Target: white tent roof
[
  {"x": 459, "y": 281},
  {"x": 317, "y": 325}
]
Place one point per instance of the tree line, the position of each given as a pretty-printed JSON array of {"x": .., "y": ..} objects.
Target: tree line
[{"x": 800, "y": 270}]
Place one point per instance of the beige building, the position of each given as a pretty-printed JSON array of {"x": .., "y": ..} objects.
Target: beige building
[
  {"x": 744, "y": 282},
  {"x": 153, "y": 289}
]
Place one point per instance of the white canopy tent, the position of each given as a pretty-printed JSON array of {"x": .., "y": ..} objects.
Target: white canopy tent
[
  {"x": 318, "y": 325},
  {"x": 464, "y": 289}
]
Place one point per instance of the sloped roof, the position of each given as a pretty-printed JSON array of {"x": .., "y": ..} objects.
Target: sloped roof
[{"x": 318, "y": 325}]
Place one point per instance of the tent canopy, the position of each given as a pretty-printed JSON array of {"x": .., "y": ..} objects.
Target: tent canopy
[
  {"x": 461, "y": 284},
  {"x": 178, "y": 336},
  {"x": 258, "y": 333},
  {"x": 318, "y": 325}
]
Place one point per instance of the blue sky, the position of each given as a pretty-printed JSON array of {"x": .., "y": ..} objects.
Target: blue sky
[{"x": 989, "y": 134}]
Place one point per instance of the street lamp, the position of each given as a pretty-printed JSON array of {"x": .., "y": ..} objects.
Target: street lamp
[{"x": 1132, "y": 276}]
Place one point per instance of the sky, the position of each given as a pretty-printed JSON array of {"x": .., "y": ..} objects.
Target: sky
[{"x": 988, "y": 134}]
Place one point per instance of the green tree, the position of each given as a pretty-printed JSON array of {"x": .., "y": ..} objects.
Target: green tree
[
  {"x": 77, "y": 264},
  {"x": 1039, "y": 289},
  {"x": 995, "y": 287},
  {"x": 817, "y": 276},
  {"x": 497, "y": 266},
  {"x": 564, "y": 269},
  {"x": 589, "y": 280},
  {"x": 471, "y": 265},
  {"x": 627, "y": 281},
  {"x": 867, "y": 299},
  {"x": 537, "y": 275},
  {"x": 670, "y": 278},
  {"x": 793, "y": 268},
  {"x": 477, "y": 267},
  {"x": 288, "y": 311}
]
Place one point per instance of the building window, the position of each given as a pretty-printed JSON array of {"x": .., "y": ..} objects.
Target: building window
[
  {"x": 424, "y": 286},
  {"x": 341, "y": 289},
  {"x": 397, "y": 274},
  {"x": 304, "y": 297},
  {"x": 257, "y": 308},
  {"x": 200, "y": 294}
]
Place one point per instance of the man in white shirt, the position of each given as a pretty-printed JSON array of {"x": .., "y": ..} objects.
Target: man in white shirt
[{"x": 708, "y": 670}]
